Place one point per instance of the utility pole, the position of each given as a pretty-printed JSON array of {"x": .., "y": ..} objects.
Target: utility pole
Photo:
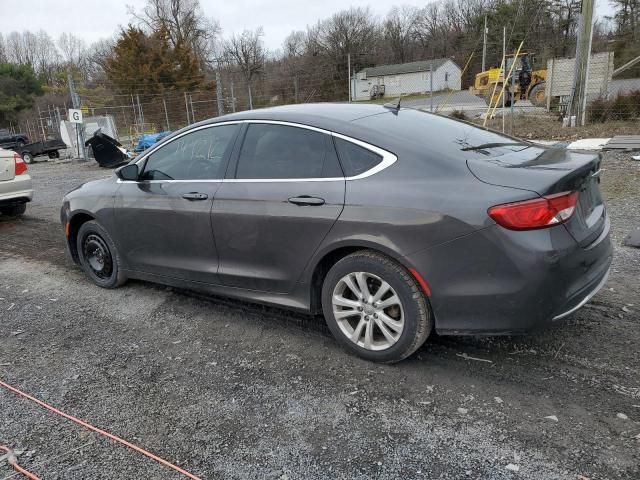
[
  {"x": 504, "y": 71},
  {"x": 349, "y": 73},
  {"x": 513, "y": 99},
  {"x": 484, "y": 44},
  {"x": 233, "y": 99},
  {"x": 431, "y": 85},
  {"x": 583, "y": 53},
  {"x": 75, "y": 101},
  {"x": 219, "y": 93}
]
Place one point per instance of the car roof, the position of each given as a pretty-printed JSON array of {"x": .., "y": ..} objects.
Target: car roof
[{"x": 321, "y": 115}]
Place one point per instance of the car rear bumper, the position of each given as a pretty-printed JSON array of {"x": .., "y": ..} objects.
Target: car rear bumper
[
  {"x": 497, "y": 281},
  {"x": 18, "y": 190},
  {"x": 585, "y": 299}
]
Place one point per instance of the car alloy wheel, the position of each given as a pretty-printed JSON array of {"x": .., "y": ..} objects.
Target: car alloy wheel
[{"x": 368, "y": 311}]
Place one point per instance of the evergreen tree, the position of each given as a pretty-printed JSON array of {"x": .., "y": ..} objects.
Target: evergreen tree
[
  {"x": 18, "y": 88},
  {"x": 150, "y": 64}
]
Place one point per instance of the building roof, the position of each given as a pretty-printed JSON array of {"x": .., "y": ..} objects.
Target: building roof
[{"x": 411, "y": 67}]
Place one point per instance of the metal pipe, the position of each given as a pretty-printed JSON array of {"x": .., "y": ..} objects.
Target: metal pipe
[
  {"x": 186, "y": 105},
  {"x": 166, "y": 115}
]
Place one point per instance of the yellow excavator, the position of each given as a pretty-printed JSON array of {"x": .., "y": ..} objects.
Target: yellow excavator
[{"x": 528, "y": 84}]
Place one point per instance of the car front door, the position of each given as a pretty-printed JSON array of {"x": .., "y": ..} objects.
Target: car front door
[
  {"x": 283, "y": 192},
  {"x": 163, "y": 220}
]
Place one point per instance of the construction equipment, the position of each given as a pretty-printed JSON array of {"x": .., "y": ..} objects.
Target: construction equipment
[{"x": 528, "y": 84}]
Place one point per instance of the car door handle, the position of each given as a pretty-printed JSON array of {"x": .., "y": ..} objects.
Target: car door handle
[
  {"x": 195, "y": 196},
  {"x": 307, "y": 200}
]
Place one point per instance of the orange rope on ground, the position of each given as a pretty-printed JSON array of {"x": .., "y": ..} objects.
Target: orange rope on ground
[
  {"x": 14, "y": 463},
  {"x": 98, "y": 430}
]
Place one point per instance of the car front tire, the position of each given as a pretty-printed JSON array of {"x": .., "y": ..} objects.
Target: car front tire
[
  {"x": 375, "y": 308},
  {"x": 99, "y": 256}
]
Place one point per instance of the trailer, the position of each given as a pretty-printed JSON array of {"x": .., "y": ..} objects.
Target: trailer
[{"x": 50, "y": 148}]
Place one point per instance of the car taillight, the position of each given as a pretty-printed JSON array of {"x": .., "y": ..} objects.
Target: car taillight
[
  {"x": 537, "y": 213},
  {"x": 20, "y": 166}
]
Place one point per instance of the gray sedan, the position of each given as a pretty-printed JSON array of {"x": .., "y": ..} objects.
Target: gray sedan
[{"x": 390, "y": 221}]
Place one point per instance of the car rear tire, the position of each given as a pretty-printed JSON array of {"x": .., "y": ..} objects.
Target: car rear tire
[
  {"x": 14, "y": 210},
  {"x": 99, "y": 256},
  {"x": 27, "y": 157},
  {"x": 375, "y": 308}
]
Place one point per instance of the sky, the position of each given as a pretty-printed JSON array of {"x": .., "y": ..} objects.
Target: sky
[{"x": 95, "y": 19}]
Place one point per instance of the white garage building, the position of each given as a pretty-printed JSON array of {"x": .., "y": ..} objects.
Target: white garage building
[{"x": 407, "y": 78}]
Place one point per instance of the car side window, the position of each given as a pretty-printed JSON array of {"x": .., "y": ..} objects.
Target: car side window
[
  {"x": 354, "y": 158},
  {"x": 199, "y": 155},
  {"x": 282, "y": 152}
]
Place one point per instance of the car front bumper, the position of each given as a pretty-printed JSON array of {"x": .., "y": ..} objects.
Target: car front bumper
[{"x": 497, "y": 281}]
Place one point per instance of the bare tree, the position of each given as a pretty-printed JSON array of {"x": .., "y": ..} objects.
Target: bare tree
[
  {"x": 36, "y": 50},
  {"x": 46, "y": 56},
  {"x": 248, "y": 53},
  {"x": 294, "y": 47},
  {"x": 16, "y": 52},
  {"x": 567, "y": 12},
  {"x": 73, "y": 50},
  {"x": 349, "y": 31},
  {"x": 184, "y": 22},
  {"x": 97, "y": 55},
  {"x": 399, "y": 28},
  {"x": 353, "y": 31}
]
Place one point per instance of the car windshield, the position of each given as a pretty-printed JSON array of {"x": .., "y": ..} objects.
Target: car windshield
[{"x": 443, "y": 135}]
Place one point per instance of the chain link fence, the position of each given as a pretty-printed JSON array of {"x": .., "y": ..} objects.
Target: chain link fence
[{"x": 440, "y": 86}]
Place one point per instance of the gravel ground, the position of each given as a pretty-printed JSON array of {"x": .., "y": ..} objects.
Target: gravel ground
[{"x": 226, "y": 389}]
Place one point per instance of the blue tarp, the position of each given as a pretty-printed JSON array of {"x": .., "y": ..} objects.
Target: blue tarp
[{"x": 148, "y": 140}]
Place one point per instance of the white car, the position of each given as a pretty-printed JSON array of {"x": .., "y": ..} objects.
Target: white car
[{"x": 15, "y": 184}]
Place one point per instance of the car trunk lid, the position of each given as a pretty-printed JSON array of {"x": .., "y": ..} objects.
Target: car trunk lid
[
  {"x": 547, "y": 171},
  {"x": 7, "y": 165}
]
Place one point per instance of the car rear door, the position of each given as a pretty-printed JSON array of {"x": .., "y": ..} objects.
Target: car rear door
[
  {"x": 163, "y": 220},
  {"x": 283, "y": 192}
]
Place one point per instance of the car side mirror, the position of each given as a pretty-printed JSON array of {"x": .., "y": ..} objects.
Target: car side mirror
[{"x": 128, "y": 172}]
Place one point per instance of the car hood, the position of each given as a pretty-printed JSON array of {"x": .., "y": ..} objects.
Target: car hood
[{"x": 91, "y": 185}]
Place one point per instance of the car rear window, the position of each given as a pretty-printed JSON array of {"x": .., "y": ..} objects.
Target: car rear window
[
  {"x": 286, "y": 152},
  {"x": 354, "y": 158},
  {"x": 439, "y": 134}
]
